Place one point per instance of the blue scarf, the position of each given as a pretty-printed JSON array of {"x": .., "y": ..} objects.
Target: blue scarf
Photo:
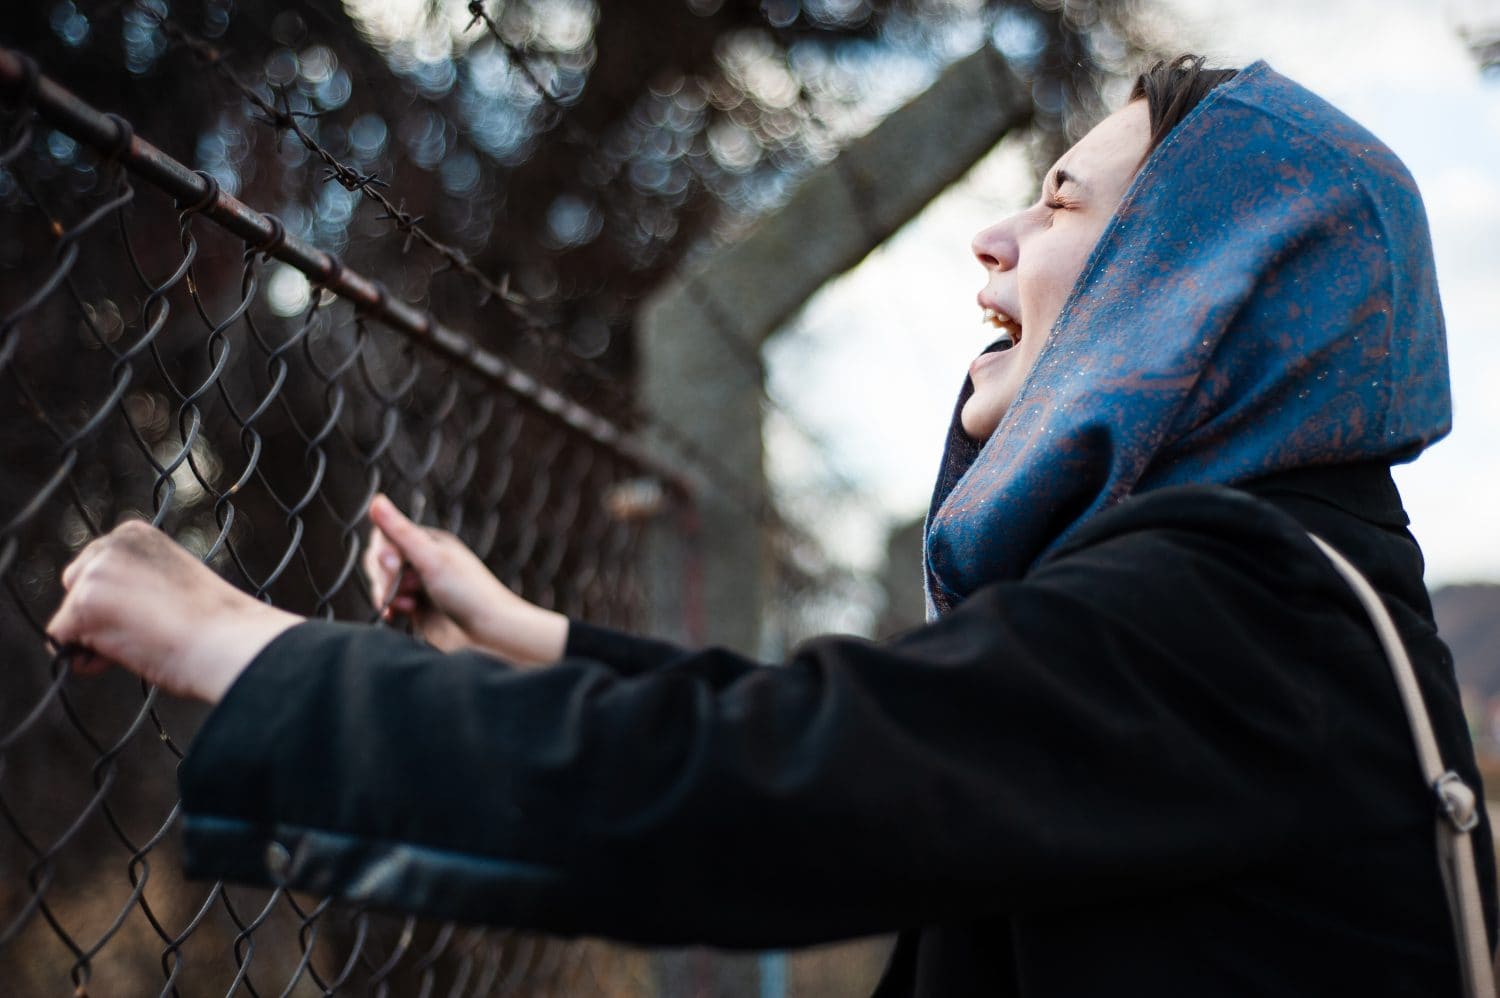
[{"x": 1263, "y": 299}]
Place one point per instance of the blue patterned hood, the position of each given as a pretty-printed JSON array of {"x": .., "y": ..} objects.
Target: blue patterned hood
[{"x": 1263, "y": 299}]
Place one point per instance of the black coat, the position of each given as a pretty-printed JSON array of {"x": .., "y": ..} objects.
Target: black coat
[{"x": 1169, "y": 761}]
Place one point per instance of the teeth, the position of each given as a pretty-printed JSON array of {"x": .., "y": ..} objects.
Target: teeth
[
  {"x": 999, "y": 320},
  {"x": 994, "y": 317}
]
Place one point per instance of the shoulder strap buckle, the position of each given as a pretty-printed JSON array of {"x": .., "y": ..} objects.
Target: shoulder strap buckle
[{"x": 1457, "y": 801}]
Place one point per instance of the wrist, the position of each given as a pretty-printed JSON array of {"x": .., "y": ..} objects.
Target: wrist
[
  {"x": 532, "y": 636},
  {"x": 228, "y": 649},
  {"x": 552, "y": 637}
]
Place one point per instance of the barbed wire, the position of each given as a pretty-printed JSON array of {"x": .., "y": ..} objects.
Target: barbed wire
[
  {"x": 713, "y": 472},
  {"x": 283, "y": 119},
  {"x": 740, "y": 351},
  {"x": 260, "y": 452},
  {"x": 286, "y": 120},
  {"x": 325, "y": 270},
  {"x": 258, "y": 443}
]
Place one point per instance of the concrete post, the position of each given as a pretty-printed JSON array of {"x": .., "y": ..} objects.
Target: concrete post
[{"x": 700, "y": 337}]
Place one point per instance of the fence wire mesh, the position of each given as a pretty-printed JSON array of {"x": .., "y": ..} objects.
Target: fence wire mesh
[
  {"x": 147, "y": 373},
  {"x": 530, "y": 171}
]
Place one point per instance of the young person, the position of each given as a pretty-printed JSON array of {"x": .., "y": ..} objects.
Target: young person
[{"x": 1148, "y": 743}]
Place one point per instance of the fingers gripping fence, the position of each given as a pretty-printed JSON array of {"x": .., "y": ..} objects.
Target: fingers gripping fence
[{"x": 145, "y": 374}]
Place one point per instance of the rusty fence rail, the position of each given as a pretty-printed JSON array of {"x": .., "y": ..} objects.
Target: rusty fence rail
[{"x": 160, "y": 357}]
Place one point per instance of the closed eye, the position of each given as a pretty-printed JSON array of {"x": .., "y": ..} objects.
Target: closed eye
[{"x": 1056, "y": 201}]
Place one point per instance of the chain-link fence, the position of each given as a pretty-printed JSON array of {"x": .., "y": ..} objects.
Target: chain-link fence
[
  {"x": 158, "y": 362},
  {"x": 533, "y": 172}
]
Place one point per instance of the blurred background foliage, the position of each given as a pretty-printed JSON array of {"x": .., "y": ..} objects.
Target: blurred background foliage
[{"x": 577, "y": 151}]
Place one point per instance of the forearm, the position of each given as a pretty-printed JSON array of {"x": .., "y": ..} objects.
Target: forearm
[
  {"x": 1010, "y": 756},
  {"x": 357, "y": 749},
  {"x": 626, "y": 653},
  {"x": 567, "y": 800},
  {"x": 525, "y": 635}
]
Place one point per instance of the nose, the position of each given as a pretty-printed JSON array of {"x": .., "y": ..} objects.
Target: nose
[{"x": 995, "y": 247}]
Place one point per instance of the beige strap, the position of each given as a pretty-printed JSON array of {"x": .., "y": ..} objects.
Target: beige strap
[{"x": 1457, "y": 803}]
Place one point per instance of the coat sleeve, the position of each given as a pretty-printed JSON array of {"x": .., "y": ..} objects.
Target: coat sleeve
[
  {"x": 627, "y": 654},
  {"x": 1129, "y": 718}
]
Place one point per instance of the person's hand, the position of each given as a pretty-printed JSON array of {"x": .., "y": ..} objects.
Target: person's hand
[
  {"x": 136, "y": 598},
  {"x": 453, "y": 599}
]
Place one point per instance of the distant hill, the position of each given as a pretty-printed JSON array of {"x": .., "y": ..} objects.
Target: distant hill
[{"x": 1468, "y": 618}]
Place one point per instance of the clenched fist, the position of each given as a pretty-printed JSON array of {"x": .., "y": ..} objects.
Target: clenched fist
[{"x": 136, "y": 598}]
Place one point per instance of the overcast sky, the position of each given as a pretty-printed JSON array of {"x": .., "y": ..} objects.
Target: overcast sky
[{"x": 873, "y": 364}]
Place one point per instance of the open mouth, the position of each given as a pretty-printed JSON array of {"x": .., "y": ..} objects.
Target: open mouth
[{"x": 1010, "y": 330}]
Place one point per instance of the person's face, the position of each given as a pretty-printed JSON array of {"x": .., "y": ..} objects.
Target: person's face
[{"x": 1033, "y": 258}]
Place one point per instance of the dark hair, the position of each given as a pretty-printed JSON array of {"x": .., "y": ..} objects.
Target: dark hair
[{"x": 1172, "y": 88}]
